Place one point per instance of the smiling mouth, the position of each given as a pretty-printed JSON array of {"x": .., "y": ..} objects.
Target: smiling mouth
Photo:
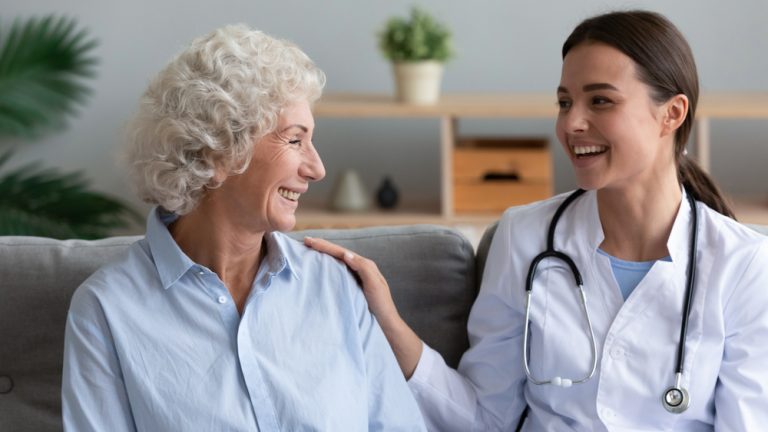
[
  {"x": 288, "y": 194},
  {"x": 587, "y": 151}
]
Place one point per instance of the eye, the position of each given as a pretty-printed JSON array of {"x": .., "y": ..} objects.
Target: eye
[
  {"x": 563, "y": 104},
  {"x": 601, "y": 101},
  {"x": 295, "y": 142}
]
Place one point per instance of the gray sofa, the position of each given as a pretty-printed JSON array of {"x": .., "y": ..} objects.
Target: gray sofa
[{"x": 431, "y": 269}]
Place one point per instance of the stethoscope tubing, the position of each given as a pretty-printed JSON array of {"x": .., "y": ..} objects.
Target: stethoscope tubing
[{"x": 681, "y": 402}]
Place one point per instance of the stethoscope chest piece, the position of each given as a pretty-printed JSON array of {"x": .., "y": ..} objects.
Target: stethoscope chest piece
[{"x": 675, "y": 399}]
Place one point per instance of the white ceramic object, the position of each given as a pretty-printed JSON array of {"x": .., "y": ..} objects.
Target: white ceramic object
[
  {"x": 418, "y": 83},
  {"x": 349, "y": 193}
]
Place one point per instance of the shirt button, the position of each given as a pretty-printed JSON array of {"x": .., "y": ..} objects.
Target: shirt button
[
  {"x": 222, "y": 299},
  {"x": 616, "y": 352}
]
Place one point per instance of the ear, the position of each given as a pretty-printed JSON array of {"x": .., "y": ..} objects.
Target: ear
[
  {"x": 219, "y": 175},
  {"x": 674, "y": 114}
]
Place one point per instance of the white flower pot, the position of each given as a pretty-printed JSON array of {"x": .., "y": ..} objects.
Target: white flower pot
[{"x": 418, "y": 82}]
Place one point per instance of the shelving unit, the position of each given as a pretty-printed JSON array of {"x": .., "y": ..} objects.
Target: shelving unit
[{"x": 453, "y": 107}]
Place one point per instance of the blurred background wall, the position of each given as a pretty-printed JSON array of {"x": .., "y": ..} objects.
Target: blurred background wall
[{"x": 501, "y": 45}]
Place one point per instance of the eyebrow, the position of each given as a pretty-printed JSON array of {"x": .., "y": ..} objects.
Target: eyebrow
[
  {"x": 591, "y": 87},
  {"x": 302, "y": 127}
]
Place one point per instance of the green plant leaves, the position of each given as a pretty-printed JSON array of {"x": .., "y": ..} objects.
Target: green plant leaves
[
  {"x": 42, "y": 62},
  {"x": 44, "y": 202},
  {"x": 415, "y": 39}
]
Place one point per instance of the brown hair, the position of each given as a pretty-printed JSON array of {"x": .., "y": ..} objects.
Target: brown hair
[{"x": 665, "y": 63}]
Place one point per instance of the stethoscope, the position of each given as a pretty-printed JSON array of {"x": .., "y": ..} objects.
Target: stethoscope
[{"x": 675, "y": 399}]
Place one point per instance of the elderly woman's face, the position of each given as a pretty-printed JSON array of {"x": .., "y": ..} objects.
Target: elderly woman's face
[{"x": 284, "y": 162}]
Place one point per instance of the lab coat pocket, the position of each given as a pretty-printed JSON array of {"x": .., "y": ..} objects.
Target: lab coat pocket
[{"x": 559, "y": 335}]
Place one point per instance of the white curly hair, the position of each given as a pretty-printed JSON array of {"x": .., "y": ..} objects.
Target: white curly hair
[{"x": 208, "y": 106}]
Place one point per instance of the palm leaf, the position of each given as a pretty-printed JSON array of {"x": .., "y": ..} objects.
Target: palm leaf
[
  {"x": 42, "y": 63},
  {"x": 44, "y": 202}
]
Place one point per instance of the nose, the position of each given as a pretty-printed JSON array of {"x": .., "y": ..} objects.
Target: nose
[
  {"x": 312, "y": 168},
  {"x": 574, "y": 120}
]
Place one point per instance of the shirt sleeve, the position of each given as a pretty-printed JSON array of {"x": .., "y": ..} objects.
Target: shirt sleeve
[
  {"x": 391, "y": 406},
  {"x": 741, "y": 401},
  {"x": 94, "y": 396},
  {"x": 486, "y": 392}
]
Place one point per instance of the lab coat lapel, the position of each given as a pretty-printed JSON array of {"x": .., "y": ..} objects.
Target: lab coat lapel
[{"x": 663, "y": 288}]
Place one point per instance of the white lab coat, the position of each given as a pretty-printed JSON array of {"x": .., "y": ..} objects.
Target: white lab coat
[{"x": 726, "y": 356}]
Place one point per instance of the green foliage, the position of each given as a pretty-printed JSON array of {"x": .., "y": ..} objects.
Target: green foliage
[
  {"x": 42, "y": 62},
  {"x": 44, "y": 202},
  {"x": 418, "y": 38}
]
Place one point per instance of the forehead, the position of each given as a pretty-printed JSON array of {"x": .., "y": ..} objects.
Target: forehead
[
  {"x": 296, "y": 114},
  {"x": 596, "y": 62}
]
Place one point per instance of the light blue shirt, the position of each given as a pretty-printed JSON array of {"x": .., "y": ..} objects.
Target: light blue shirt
[
  {"x": 154, "y": 342},
  {"x": 628, "y": 274}
]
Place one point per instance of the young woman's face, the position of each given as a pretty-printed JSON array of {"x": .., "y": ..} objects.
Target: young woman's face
[
  {"x": 284, "y": 162},
  {"x": 608, "y": 124}
]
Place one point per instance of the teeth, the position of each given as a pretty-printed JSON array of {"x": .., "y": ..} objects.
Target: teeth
[
  {"x": 582, "y": 150},
  {"x": 291, "y": 195}
]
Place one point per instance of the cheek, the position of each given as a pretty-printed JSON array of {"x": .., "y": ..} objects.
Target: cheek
[{"x": 560, "y": 132}]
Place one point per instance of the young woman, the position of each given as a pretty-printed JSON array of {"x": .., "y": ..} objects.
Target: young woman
[{"x": 670, "y": 331}]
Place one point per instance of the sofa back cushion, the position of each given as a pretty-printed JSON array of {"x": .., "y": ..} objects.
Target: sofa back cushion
[
  {"x": 430, "y": 270},
  {"x": 37, "y": 279}
]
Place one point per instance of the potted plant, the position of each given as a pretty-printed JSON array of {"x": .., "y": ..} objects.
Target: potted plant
[{"x": 418, "y": 47}]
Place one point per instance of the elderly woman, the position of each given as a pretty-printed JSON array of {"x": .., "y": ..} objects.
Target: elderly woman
[{"x": 216, "y": 320}]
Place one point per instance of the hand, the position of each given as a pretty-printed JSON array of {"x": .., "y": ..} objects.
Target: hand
[{"x": 375, "y": 287}]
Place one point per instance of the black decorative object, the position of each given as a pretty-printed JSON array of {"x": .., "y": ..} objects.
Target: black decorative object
[{"x": 387, "y": 194}]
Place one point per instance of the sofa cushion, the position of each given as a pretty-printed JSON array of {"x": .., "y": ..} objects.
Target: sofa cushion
[{"x": 430, "y": 270}]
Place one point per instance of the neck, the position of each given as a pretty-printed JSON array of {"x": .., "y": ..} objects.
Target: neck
[
  {"x": 637, "y": 220},
  {"x": 212, "y": 239}
]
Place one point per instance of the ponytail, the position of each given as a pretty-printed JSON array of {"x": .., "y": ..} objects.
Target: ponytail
[{"x": 701, "y": 186}]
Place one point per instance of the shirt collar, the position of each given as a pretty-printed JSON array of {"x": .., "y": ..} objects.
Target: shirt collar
[
  {"x": 679, "y": 238},
  {"x": 282, "y": 254},
  {"x": 679, "y": 241},
  {"x": 170, "y": 261}
]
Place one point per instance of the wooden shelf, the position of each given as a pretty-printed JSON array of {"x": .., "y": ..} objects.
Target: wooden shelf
[
  {"x": 321, "y": 218},
  {"x": 452, "y": 107},
  {"x": 522, "y": 105}
]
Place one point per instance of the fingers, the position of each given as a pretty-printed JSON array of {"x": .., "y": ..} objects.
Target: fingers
[
  {"x": 325, "y": 247},
  {"x": 336, "y": 251}
]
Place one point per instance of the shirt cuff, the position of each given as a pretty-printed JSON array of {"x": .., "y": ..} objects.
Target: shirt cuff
[{"x": 425, "y": 365}]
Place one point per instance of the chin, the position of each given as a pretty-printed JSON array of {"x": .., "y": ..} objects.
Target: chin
[
  {"x": 590, "y": 182},
  {"x": 285, "y": 225}
]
